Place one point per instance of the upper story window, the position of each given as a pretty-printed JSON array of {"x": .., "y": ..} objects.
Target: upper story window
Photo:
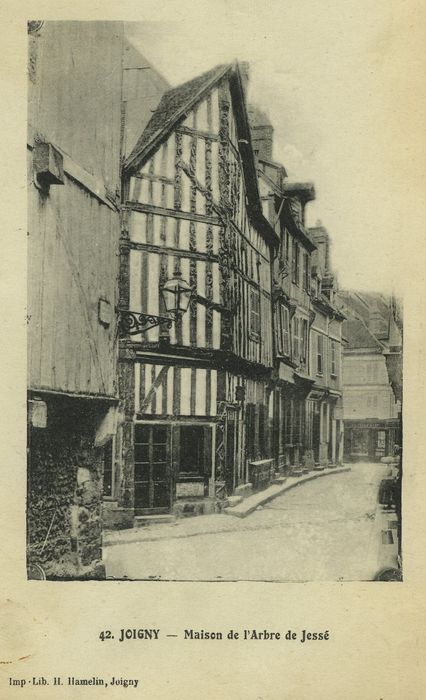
[
  {"x": 333, "y": 358},
  {"x": 284, "y": 331},
  {"x": 306, "y": 275},
  {"x": 304, "y": 340},
  {"x": 254, "y": 313},
  {"x": 286, "y": 244},
  {"x": 297, "y": 323},
  {"x": 320, "y": 353},
  {"x": 295, "y": 263}
]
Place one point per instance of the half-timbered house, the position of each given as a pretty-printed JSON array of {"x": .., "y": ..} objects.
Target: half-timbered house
[{"x": 195, "y": 397}]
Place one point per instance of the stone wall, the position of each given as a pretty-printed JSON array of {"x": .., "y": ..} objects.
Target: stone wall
[
  {"x": 64, "y": 530},
  {"x": 118, "y": 512}
]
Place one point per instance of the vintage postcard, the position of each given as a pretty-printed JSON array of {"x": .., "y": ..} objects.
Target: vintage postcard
[{"x": 215, "y": 459}]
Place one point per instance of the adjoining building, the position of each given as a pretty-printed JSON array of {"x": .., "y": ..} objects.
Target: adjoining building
[
  {"x": 308, "y": 426},
  {"x": 88, "y": 86},
  {"x": 73, "y": 233},
  {"x": 371, "y": 409},
  {"x": 326, "y": 400}
]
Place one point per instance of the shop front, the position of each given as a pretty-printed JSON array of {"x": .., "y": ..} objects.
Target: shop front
[
  {"x": 369, "y": 441},
  {"x": 172, "y": 460}
]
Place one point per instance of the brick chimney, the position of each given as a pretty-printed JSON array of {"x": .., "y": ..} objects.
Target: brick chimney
[{"x": 262, "y": 133}]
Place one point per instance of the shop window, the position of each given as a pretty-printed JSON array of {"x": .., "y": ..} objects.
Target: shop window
[
  {"x": 360, "y": 442},
  {"x": 191, "y": 459},
  {"x": 381, "y": 439}
]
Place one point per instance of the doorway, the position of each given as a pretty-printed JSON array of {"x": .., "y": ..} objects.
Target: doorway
[
  {"x": 152, "y": 481},
  {"x": 235, "y": 473},
  {"x": 316, "y": 432}
]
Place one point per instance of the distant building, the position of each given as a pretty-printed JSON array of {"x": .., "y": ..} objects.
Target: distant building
[
  {"x": 326, "y": 355},
  {"x": 371, "y": 408}
]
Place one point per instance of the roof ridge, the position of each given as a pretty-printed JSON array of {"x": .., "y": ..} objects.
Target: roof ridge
[{"x": 173, "y": 104}]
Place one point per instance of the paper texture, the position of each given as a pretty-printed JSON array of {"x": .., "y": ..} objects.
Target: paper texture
[{"x": 376, "y": 630}]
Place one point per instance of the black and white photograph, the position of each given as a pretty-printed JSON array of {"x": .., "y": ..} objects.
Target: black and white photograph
[{"x": 214, "y": 317}]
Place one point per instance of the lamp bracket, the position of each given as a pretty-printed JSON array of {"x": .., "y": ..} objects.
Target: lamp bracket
[{"x": 134, "y": 322}]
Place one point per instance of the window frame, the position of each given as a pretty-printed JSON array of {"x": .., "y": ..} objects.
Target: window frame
[
  {"x": 286, "y": 245},
  {"x": 296, "y": 339},
  {"x": 320, "y": 355},
  {"x": 284, "y": 330},
  {"x": 305, "y": 272},
  {"x": 295, "y": 276},
  {"x": 304, "y": 341},
  {"x": 199, "y": 472},
  {"x": 254, "y": 326},
  {"x": 333, "y": 358}
]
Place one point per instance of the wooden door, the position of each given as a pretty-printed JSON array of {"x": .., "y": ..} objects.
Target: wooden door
[
  {"x": 316, "y": 432},
  {"x": 153, "y": 488},
  {"x": 231, "y": 449}
]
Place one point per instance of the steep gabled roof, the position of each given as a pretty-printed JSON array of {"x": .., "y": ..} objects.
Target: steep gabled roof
[
  {"x": 359, "y": 336},
  {"x": 173, "y": 105}
]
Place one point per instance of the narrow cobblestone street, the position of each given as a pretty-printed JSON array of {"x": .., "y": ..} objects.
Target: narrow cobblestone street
[{"x": 326, "y": 530}]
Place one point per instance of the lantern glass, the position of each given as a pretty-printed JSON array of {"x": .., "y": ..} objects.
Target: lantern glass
[{"x": 176, "y": 295}]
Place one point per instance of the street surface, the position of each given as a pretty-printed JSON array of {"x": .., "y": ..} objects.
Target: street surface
[{"x": 329, "y": 529}]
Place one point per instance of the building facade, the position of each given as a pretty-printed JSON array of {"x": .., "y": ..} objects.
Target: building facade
[
  {"x": 195, "y": 398},
  {"x": 308, "y": 425},
  {"x": 74, "y": 228},
  {"x": 371, "y": 409},
  {"x": 326, "y": 399}
]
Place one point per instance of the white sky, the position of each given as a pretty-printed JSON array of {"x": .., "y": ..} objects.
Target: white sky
[{"x": 327, "y": 75}]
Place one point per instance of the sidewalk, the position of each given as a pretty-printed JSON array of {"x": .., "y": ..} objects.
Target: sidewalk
[
  {"x": 248, "y": 505},
  {"x": 210, "y": 524}
]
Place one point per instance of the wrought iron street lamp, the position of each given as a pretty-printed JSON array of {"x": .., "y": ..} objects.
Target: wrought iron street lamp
[{"x": 176, "y": 294}]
